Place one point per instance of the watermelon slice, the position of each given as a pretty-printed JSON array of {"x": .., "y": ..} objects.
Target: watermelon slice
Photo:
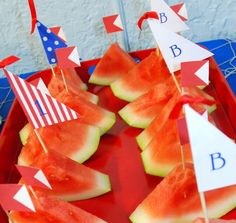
[
  {"x": 52, "y": 210},
  {"x": 73, "y": 139},
  {"x": 89, "y": 113},
  {"x": 145, "y": 137},
  {"x": 176, "y": 200},
  {"x": 114, "y": 64},
  {"x": 70, "y": 180},
  {"x": 202, "y": 220},
  {"x": 143, "y": 110},
  {"x": 151, "y": 71},
  {"x": 24, "y": 133},
  {"x": 56, "y": 86}
]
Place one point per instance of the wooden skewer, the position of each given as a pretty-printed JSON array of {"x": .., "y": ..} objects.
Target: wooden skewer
[
  {"x": 33, "y": 192},
  {"x": 53, "y": 72},
  {"x": 182, "y": 157},
  {"x": 64, "y": 80},
  {"x": 41, "y": 141},
  {"x": 9, "y": 217},
  {"x": 176, "y": 82},
  {"x": 204, "y": 208}
]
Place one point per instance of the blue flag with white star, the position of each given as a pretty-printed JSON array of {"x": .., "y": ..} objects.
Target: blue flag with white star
[{"x": 50, "y": 42}]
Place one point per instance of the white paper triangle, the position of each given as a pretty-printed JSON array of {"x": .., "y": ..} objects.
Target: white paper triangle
[
  {"x": 42, "y": 178},
  {"x": 23, "y": 197},
  {"x": 205, "y": 115},
  {"x": 203, "y": 73},
  {"x": 214, "y": 154},
  {"x": 74, "y": 56},
  {"x": 170, "y": 20},
  {"x": 42, "y": 87},
  {"x": 183, "y": 11},
  {"x": 118, "y": 22},
  {"x": 62, "y": 35},
  {"x": 167, "y": 41}
]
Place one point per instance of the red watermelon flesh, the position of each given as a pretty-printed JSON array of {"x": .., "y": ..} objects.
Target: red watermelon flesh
[
  {"x": 73, "y": 139},
  {"x": 89, "y": 113},
  {"x": 149, "y": 72},
  {"x": 145, "y": 136},
  {"x": 52, "y": 210},
  {"x": 176, "y": 200},
  {"x": 113, "y": 65},
  {"x": 70, "y": 180},
  {"x": 143, "y": 110},
  {"x": 202, "y": 220},
  {"x": 56, "y": 86}
]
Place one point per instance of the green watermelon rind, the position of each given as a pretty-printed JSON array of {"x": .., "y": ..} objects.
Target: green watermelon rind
[
  {"x": 132, "y": 119},
  {"x": 24, "y": 133},
  {"x": 100, "y": 81},
  {"x": 94, "y": 99},
  {"x": 119, "y": 91},
  {"x": 107, "y": 122},
  {"x": 143, "y": 138}
]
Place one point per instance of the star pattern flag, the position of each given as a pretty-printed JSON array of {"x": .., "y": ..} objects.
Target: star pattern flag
[
  {"x": 50, "y": 42},
  {"x": 68, "y": 57},
  {"x": 175, "y": 48},
  {"x": 58, "y": 31},
  {"x": 41, "y": 109},
  {"x": 195, "y": 73},
  {"x": 214, "y": 154},
  {"x": 113, "y": 23},
  {"x": 15, "y": 197},
  {"x": 33, "y": 176},
  {"x": 168, "y": 18},
  {"x": 181, "y": 10}
]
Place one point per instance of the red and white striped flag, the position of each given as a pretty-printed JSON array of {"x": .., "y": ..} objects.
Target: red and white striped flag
[
  {"x": 41, "y": 109},
  {"x": 113, "y": 23},
  {"x": 33, "y": 176},
  {"x": 15, "y": 197}
]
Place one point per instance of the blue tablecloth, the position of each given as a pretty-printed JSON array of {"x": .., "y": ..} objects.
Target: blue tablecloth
[{"x": 225, "y": 56}]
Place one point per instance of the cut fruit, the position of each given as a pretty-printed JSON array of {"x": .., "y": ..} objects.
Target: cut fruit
[
  {"x": 162, "y": 154},
  {"x": 149, "y": 72},
  {"x": 113, "y": 65},
  {"x": 50, "y": 209},
  {"x": 89, "y": 113},
  {"x": 176, "y": 200},
  {"x": 56, "y": 86},
  {"x": 146, "y": 136},
  {"x": 25, "y": 132},
  {"x": 143, "y": 110},
  {"x": 70, "y": 180},
  {"x": 73, "y": 139},
  {"x": 202, "y": 220}
]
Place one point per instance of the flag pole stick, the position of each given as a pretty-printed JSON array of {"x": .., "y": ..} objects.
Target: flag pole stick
[
  {"x": 41, "y": 141},
  {"x": 176, "y": 82},
  {"x": 204, "y": 208},
  {"x": 182, "y": 157},
  {"x": 33, "y": 192},
  {"x": 9, "y": 217},
  {"x": 53, "y": 72},
  {"x": 64, "y": 80}
]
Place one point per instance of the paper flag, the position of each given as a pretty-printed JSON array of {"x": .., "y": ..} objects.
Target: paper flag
[
  {"x": 175, "y": 48},
  {"x": 214, "y": 154},
  {"x": 68, "y": 57},
  {"x": 33, "y": 176},
  {"x": 15, "y": 197},
  {"x": 38, "y": 83},
  {"x": 168, "y": 18},
  {"x": 41, "y": 109},
  {"x": 8, "y": 61},
  {"x": 195, "y": 73},
  {"x": 50, "y": 42},
  {"x": 113, "y": 23},
  {"x": 181, "y": 10},
  {"x": 58, "y": 31},
  {"x": 182, "y": 128}
]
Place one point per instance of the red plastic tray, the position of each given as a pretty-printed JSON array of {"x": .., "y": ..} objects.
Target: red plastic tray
[{"x": 118, "y": 154}]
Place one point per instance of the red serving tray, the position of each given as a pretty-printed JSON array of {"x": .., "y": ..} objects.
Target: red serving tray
[{"x": 118, "y": 154}]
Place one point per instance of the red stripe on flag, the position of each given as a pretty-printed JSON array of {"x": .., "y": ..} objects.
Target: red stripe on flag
[
  {"x": 57, "y": 116},
  {"x": 62, "y": 111}
]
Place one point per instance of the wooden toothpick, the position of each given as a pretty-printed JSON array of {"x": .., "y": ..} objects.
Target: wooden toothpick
[
  {"x": 204, "y": 208},
  {"x": 182, "y": 157},
  {"x": 176, "y": 82},
  {"x": 53, "y": 72},
  {"x": 41, "y": 141},
  {"x": 64, "y": 80}
]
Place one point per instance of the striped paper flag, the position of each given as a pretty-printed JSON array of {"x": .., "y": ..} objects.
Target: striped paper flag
[{"x": 41, "y": 109}]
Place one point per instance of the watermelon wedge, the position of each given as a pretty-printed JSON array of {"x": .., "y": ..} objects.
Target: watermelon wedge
[
  {"x": 89, "y": 113},
  {"x": 145, "y": 137},
  {"x": 113, "y": 65},
  {"x": 176, "y": 200},
  {"x": 149, "y": 72},
  {"x": 70, "y": 180},
  {"x": 52, "y": 210},
  {"x": 202, "y": 220},
  {"x": 24, "y": 133},
  {"x": 143, "y": 110},
  {"x": 56, "y": 86},
  {"x": 73, "y": 139}
]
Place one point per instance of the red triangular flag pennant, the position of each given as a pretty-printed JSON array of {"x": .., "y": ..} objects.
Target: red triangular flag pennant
[
  {"x": 33, "y": 176},
  {"x": 113, "y": 23},
  {"x": 181, "y": 11},
  {"x": 58, "y": 31},
  {"x": 15, "y": 197}
]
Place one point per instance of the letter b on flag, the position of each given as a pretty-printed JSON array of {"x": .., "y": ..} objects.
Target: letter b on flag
[
  {"x": 163, "y": 18},
  {"x": 176, "y": 51},
  {"x": 217, "y": 161}
]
